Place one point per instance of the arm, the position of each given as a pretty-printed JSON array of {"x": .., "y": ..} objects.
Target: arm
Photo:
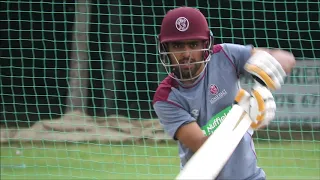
[
  {"x": 239, "y": 55},
  {"x": 179, "y": 125},
  {"x": 191, "y": 136}
]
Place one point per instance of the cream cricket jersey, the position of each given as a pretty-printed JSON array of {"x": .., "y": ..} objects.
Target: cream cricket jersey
[{"x": 214, "y": 91}]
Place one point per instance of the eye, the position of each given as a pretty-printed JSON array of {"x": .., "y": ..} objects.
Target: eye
[
  {"x": 176, "y": 46},
  {"x": 193, "y": 44}
]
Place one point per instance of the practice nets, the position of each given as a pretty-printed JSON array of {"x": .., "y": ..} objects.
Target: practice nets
[{"x": 78, "y": 77}]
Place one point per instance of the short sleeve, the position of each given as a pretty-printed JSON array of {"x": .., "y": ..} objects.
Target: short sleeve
[
  {"x": 238, "y": 54},
  {"x": 171, "y": 117}
]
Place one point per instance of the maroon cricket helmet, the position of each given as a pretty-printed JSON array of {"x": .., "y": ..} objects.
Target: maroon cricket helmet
[{"x": 184, "y": 23}]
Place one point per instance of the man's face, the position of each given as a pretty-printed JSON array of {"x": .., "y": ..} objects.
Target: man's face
[{"x": 185, "y": 57}]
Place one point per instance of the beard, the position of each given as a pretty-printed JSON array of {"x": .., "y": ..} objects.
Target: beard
[{"x": 187, "y": 73}]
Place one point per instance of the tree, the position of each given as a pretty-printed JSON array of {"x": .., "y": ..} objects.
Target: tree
[{"x": 78, "y": 74}]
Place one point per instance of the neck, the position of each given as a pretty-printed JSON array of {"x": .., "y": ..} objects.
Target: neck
[{"x": 189, "y": 82}]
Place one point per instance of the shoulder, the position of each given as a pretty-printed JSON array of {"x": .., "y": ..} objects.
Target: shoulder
[
  {"x": 164, "y": 89},
  {"x": 221, "y": 52},
  {"x": 233, "y": 52},
  {"x": 236, "y": 48},
  {"x": 227, "y": 48},
  {"x": 217, "y": 48}
]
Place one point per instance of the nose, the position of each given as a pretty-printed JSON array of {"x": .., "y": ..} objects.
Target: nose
[{"x": 187, "y": 52}]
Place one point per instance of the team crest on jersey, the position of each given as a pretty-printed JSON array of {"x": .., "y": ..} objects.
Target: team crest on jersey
[
  {"x": 182, "y": 24},
  {"x": 217, "y": 93},
  {"x": 214, "y": 89}
]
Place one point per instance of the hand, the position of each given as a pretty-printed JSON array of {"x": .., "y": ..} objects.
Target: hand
[
  {"x": 266, "y": 70},
  {"x": 260, "y": 105}
]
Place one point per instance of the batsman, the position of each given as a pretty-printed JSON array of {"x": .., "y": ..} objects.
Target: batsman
[{"x": 203, "y": 82}]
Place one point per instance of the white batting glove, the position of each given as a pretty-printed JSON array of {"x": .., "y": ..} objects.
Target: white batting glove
[
  {"x": 266, "y": 70},
  {"x": 260, "y": 105}
]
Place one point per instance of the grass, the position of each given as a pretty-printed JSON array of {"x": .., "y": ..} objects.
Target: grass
[{"x": 280, "y": 160}]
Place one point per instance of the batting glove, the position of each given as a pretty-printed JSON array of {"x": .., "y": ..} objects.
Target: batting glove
[
  {"x": 259, "y": 105},
  {"x": 266, "y": 70}
]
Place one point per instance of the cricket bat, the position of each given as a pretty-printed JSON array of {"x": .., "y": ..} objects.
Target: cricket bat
[{"x": 211, "y": 157}]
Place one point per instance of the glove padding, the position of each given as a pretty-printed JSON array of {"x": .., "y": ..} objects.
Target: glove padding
[
  {"x": 266, "y": 70},
  {"x": 260, "y": 105}
]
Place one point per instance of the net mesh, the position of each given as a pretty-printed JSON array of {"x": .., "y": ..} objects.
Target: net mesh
[{"x": 77, "y": 80}]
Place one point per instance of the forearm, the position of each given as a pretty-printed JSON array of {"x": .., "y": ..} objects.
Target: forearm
[
  {"x": 191, "y": 136},
  {"x": 197, "y": 146}
]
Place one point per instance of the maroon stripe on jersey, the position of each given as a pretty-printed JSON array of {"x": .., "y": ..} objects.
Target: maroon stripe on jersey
[
  {"x": 217, "y": 48},
  {"x": 164, "y": 89}
]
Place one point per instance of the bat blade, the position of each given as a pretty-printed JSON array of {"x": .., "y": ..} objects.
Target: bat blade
[{"x": 208, "y": 161}]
